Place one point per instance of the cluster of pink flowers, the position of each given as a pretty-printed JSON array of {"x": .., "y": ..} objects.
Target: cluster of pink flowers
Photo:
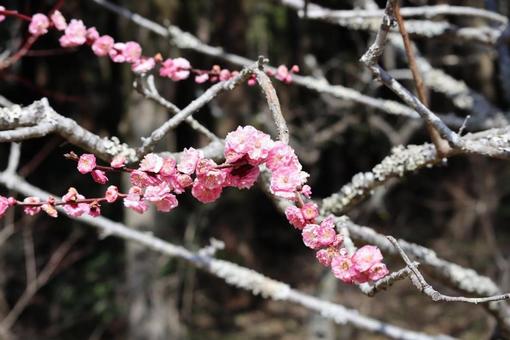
[
  {"x": 159, "y": 180},
  {"x": 77, "y": 34}
]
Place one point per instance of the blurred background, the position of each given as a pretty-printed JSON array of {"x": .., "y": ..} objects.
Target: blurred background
[{"x": 105, "y": 288}]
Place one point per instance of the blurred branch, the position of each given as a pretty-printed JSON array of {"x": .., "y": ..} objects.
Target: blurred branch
[{"x": 233, "y": 274}]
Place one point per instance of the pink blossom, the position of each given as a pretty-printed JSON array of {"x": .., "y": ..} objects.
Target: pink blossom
[
  {"x": 12, "y": 201},
  {"x": 132, "y": 51},
  {"x": 283, "y": 74},
  {"x": 282, "y": 155},
  {"x": 156, "y": 193},
  {"x": 58, "y": 20},
  {"x": 133, "y": 200},
  {"x": 306, "y": 191},
  {"x": 92, "y": 34},
  {"x": 116, "y": 53},
  {"x": 377, "y": 271},
  {"x": 50, "y": 210},
  {"x": 201, "y": 78},
  {"x": 99, "y": 176},
  {"x": 111, "y": 194},
  {"x": 2, "y": 17},
  {"x": 95, "y": 209},
  {"x": 118, "y": 161},
  {"x": 209, "y": 175},
  {"x": 189, "y": 160},
  {"x": 73, "y": 208},
  {"x": 317, "y": 236},
  {"x": 102, "y": 45},
  {"x": 168, "y": 167},
  {"x": 86, "y": 163},
  {"x": 252, "y": 81},
  {"x": 310, "y": 210},
  {"x": 179, "y": 182},
  {"x": 295, "y": 217},
  {"x": 225, "y": 75},
  {"x": 343, "y": 268},
  {"x": 168, "y": 203},
  {"x": 31, "y": 210},
  {"x": 326, "y": 255},
  {"x": 4, "y": 205},
  {"x": 142, "y": 179},
  {"x": 175, "y": 69},
  {"x": 365, "y": 257},
  {"x": 247, "y": 141},
  {"x": 39, "y": 24},
  {"x": 204, "y": 194},
  {"x": 75, "y": 34},
  {"x": 242, "y": 177},
  {"x": 151, "y": 163},
  {"x": 143, "y": 65},
  {"x": 286, "y": 181}
]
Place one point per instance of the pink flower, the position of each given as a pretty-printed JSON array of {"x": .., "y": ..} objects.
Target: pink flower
[
  {"x": 282, "y": 155},
  {"x": 94, "y": 209},
  {"x": 32, "y": 210},
  {"x": 283, "y": 74},
  {"x": 74, "y": 208},
  {"x": 39, "y": 24},
  {"x": 325, "y": 256},
  {"x": 365, "y": 257},
  {"x": 242, "y": 177},
  {"x": 133, "y": 200},
  {"x": 252, "y": 81},
  {"x": 116, "y": 53},
  {"x": 168, "y": 168},
  {"x": 318, "y": 236},
  {"x": 286, "y": 181},
  {"x": 225, "y": 75},
  {"x": 156, "y": 192},
  {"x": 208, "y": 175},
  {"x": 306, "y": 191},
  {"x": 92, "y": 34},
  {"x": 310, "y": 210},
  {"x": 343, "y": 268},
  {"x": 50, "y": 210},
  {"x": 75, "y": 34},
  {"x": 151, "y": 163},
  {"x": 142, "y": 179},
  {"x": 2, "y": 17},
  {"x": 118, "y": 161},
  {"x": 204, "y": 194},
  {"x": 175, "y": 69},
  {"x": 99, "y": 176},
  {"x": 4, "y": 205},
  {"x": 247, "y": 141},
  {"x": 86, "y": 163},
  {"x": 102, "y": 45},
  {"x": 189, "y": 160},
  {"x": 111, "y": 194},
  {"x": 295, "y": 217},
  {"x": 201, "y": 78},
  {"x": 132, "y": 51},
  {"x": 58, "y": 20},
  {"x": 143, "y": 65},
  {"x": 179, "y": 182}
]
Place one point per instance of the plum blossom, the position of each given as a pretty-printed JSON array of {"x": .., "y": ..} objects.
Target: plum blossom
[
  {"x": 111, "y": 194},
  {"x": 132, "y": 51},
  {"x": 39, "y": 24},
  {"x": 326, "y": 255},
  {"x": 168, "y": 167},
  {"x": 99, "y": 176},
  {"x": 118, "y": 161},
  {"x": 209, "y": 175},
  {"x": 92, "y": 34},
  {"x": 31, "y": 210},
  {"x": 282, "y": 155},
  {"x": 102, "y": 45},
  {"x": 377, "y": 271},
  {"x": 72, "y": 207},
  {"x": 295, "y": 217},
  {"x": 189, "y": 160},
  {"x": 250, "y": 142},
  {"x": 143, "y": 65},
  {"x": 242, "y": 177},
  {"x": 310, "y": 210},
  {"x": 161, "y": 197},
  {"x": 365, "y": 257},
  {"x": 142, "y": 179},
  {"x": 2, "y": 17},
  {"x": 50, "y": 210},
  {"x": 134, "y": 200},
  {"x": 86, "y": 163},
  {"x": 317, "y": 236},
  {"x": 58, "y": 20},
  {"x": 343, "y": 268},
  {"x": 75, "y": 34},
  {"x": 95, "y": 209},
  {"x": 4, "y": 205},
  {"x": 286, "y": 181},
  {"x": 175, "y": 69},
  {"x": 284, "y": 74},
  {"x": 116, "y": 53},
  {"x": 151, "y": 163},
  {"x": 203, "y": 194},
  {"x": 201, "y": 78}
]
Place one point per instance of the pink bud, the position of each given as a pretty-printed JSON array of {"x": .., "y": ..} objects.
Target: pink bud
[
  {"x": 99, "y": 176},
  {"x": 112, "y": 193},
  {"x": 58, "y": 20}
]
